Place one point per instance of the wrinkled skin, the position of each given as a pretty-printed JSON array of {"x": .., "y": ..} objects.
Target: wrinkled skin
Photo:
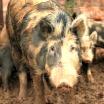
[
  {"x": 43, "y": 40},
  {"x": 6, "y": 63}
]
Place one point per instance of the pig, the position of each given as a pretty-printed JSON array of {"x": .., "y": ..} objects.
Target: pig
[
  {"x": 88, "y": 42},
  {"x": 87, "y": 53},
  {"x": 99, "y": 28},
  {"x": 42, "y": 38},
  {"x": 6, "y": 63},
  {"x": 99, "y": 47},
  {"x": 91, "y": 47}
]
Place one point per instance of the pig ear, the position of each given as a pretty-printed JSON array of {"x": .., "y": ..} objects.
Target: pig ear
[
  {"x": 94, "y": 36},
  {"x": 46, "y": 27},
  {"x": 79, "y": 25}
]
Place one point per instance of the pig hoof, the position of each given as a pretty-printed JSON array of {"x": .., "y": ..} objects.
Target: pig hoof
[
  {"x": 7, "y": 94},
  {"x": 22, "y": 97}
]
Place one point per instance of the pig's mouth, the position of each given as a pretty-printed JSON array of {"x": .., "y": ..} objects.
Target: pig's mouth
[{"x": 63, "y": 86}]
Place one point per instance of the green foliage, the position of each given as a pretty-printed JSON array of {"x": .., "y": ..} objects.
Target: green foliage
[{"x": 70, "y": 7}]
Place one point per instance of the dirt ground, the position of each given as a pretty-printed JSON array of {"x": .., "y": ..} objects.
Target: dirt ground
[{"x": 84, "y": 93}]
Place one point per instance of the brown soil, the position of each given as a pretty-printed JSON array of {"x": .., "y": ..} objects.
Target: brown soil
[{"x": 84, "y": 93}]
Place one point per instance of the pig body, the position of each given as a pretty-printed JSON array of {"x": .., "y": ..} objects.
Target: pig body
[
  {"x": 42, "y": 38},
  {"x": 99, "y": 28}
]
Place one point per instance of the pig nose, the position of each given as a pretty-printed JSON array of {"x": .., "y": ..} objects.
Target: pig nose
[
  {"x": 64, "y": 85},
  {"x": 87, "y": 61}
]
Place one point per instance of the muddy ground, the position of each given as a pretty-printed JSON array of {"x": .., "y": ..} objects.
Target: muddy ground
[{"x": 84, "y": 93}]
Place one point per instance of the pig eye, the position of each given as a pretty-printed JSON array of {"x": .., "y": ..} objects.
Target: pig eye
[
  {"x": 72, "y": 48},
  {"x": 52, "y": 48}
]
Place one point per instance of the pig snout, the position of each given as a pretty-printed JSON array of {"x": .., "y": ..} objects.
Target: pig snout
[
  {"x": 88, "y": 58},
  {"x": 87, "y": 61},
  {"x": 65, "y": 85},
  {"x": 63, "y": 78}
]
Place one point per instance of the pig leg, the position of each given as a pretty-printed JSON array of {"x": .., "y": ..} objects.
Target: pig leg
[
  {"x": 21, "y": 73},
  {"x": 6, "y": 86},
  {"x": 87, "y": 70},
  {"x": 7, "y": 66},
  {"x": 47, "y": 90},
  {"x": 5, "y": 79},
  {"x": 39, "y": 90},
  {"x": 23, "y": 82},
  {"x": 89, "y": 75}
]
